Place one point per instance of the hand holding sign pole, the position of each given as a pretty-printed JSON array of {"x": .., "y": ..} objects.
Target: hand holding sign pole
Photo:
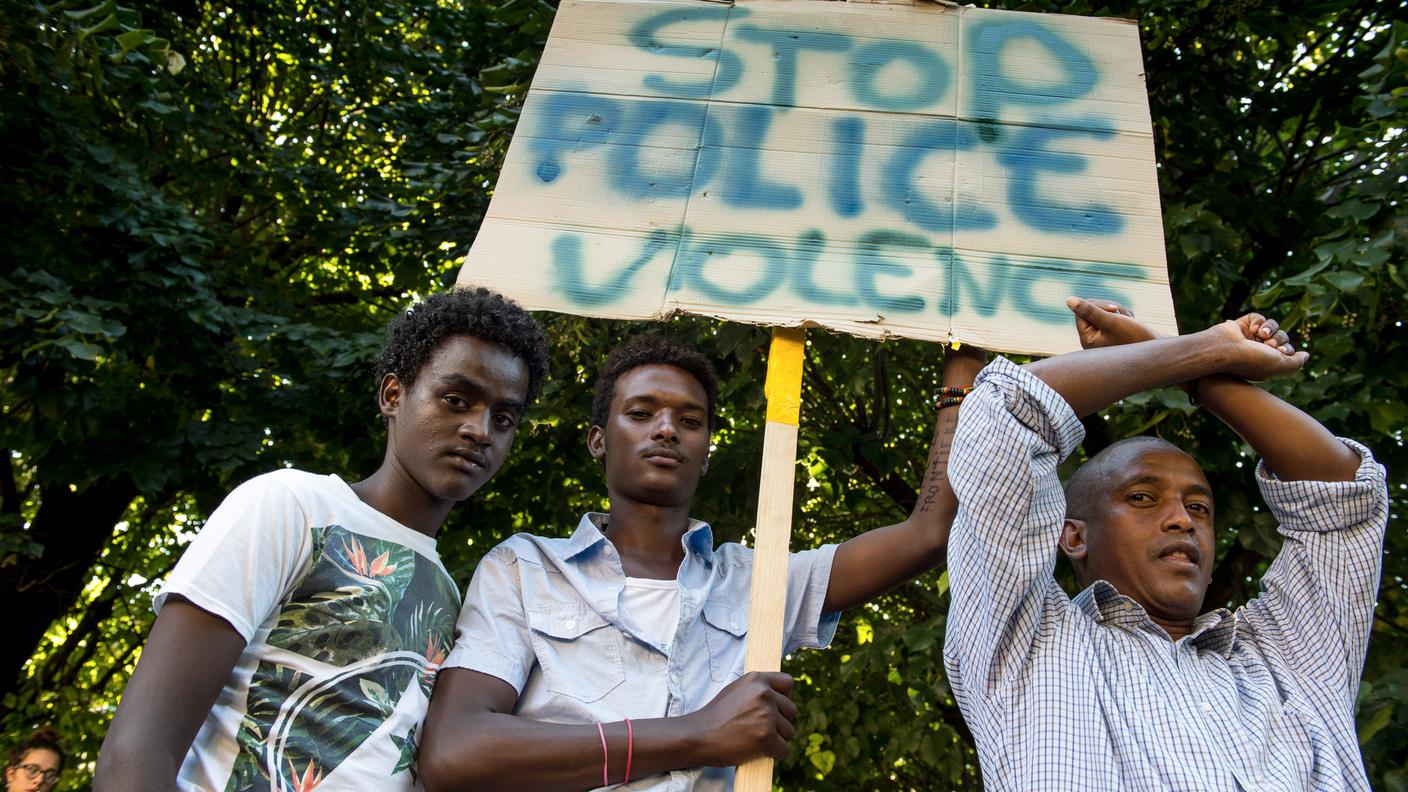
[{"x": 883, "y": 170}]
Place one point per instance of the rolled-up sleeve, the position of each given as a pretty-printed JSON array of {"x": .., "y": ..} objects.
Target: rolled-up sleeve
[
  {"x": 492, "y": 634},
  {"x": 808, "y": 576},
  {"x": 1317, "y": 598},
  {"x": 1013, "y": 431}
]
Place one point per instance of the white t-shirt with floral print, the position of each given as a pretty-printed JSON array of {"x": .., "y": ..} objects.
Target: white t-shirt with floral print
[{"x": 346, "y": 614}]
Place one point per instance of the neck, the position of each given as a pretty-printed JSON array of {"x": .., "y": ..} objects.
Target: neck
[
  {"x": 1176, "y": 628},
  {"x": 647, "y": 537},
  {"x": 391, "y": 491}
]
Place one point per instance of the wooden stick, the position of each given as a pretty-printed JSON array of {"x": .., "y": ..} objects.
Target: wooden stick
[{"x": 774, "y": 527}]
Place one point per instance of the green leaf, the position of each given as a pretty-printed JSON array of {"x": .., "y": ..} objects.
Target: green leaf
[{"x": 133, "y": 39}]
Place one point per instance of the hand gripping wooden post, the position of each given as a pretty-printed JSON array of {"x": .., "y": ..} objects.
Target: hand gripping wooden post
[{"x": 768, "y": 599}]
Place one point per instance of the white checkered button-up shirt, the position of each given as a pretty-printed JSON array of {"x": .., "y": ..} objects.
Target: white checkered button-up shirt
[{"x": 1090, "y": 693}]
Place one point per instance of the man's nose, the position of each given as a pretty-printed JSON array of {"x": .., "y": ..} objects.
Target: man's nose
[
  {"x": 665, "y": 428},
  {"x": 1177, "y": 518},
  {"x": 475, "y": 426}
]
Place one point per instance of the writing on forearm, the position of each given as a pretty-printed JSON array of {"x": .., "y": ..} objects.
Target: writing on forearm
[{"x": 936, "y": 475}]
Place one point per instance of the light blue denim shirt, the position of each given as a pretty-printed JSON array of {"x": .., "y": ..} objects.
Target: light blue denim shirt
[{"x": 554, "y": 604}]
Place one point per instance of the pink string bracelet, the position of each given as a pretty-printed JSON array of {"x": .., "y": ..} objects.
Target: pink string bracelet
[{"x": 605, "y": 779}]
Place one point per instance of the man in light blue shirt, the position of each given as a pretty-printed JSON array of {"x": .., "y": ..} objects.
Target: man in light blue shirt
[
  {"x": 1130, "y": 684},
  {"x": 639, "y": 616}
]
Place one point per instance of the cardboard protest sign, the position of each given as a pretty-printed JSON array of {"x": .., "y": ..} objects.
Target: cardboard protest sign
[{"x": 920, "y": 171}]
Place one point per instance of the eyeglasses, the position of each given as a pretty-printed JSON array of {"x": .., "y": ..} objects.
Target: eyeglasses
[{"x": 33, "y": 771}]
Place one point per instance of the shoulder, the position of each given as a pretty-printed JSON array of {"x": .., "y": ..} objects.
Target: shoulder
[
  {"x": 527, "y": 547},
  {"x": 733, "y": 554},
  {"x": 287, "y": 483}
]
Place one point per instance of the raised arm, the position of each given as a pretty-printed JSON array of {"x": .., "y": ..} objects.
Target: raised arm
[
  {"x": 186, "y": 661},
  {"x": 1094, "y": 378},
  {"x": 1294, "y": 445},
  {"x": 868, "y": 565},
  {"x": 1317, "y": 599},
  {"x": 473, "y": 741}
]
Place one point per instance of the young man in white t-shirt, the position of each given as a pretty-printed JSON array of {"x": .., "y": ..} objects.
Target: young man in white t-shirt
[{"x": 296, "y": 640}]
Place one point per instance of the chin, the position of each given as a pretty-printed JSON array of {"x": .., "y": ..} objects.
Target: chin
[{"x": 461, "y": 489}]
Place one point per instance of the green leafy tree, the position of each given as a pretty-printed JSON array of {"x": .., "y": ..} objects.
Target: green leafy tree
[{"x": 211, "y": 211}]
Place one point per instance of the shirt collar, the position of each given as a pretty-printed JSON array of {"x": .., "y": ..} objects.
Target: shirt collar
[
  {"x": 698, "y": 539},
  {"x": 587, "y": 536},
  {"x": 1104, "y": 604}
]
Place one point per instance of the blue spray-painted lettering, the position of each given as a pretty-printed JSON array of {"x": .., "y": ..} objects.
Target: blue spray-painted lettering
[
  {"x": 624, "y": 160},
  {"x": 984, "y": 301},
  {"x": 870, "y": 263},
  {"x": 993, "y": 89},
  {"x": 696, "y": 253},
  {"x": 785, "y": 46},
  {"x": 743, "y": 184},
  {"x": 570, "y": 122},
  {"x": 848, "y": 134},
  {"x": 574, "y": 122},
  {"x": 728, "y": 68},
  {"x": 1090, "y": 279},
  {"x": 939, "y": 135},
  {"x": 1012, "y": 284},
  {"x": 671, "y": 148},
  {"x": 930, "y": 71},
  {"x": 809, "y": 247},
  {"x": 571, "y": 274},
  {"x": 1000, "y": 283},
  {"x": 1027, "y": 157}
]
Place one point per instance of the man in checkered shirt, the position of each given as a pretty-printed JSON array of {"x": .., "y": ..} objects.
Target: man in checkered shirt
[{"x": 1129, "y": 685}]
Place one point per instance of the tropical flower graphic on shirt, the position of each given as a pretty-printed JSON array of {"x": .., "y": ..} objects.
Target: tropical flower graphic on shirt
[
  {"x": 377, "y": 568},
  {"x": 309, "y": 781},
  {"x": 371, "y": 621}
]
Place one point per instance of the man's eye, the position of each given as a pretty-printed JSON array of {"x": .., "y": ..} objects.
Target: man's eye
[
  {"x": 693, "y": 423},
  {"x": 1140, "y": 497},
  {"x": 504, "y": 421},
  {"x": 1199, "y": 507},
  {"x": 457, "y": 402}
]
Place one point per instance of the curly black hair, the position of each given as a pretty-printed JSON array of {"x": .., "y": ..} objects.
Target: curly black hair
[
  {"x": 414, "y": 334},
  {"x": 43, "y": 739},
  {"x": 649, "y": 350}
]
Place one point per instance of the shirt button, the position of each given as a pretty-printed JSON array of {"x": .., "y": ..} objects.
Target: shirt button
[
  {"x": 570, "y": 624},
  {"x": 1206, "y": 707}
]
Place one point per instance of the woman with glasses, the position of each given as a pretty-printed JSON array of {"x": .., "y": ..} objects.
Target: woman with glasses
[{"x": 35, "y": 765}]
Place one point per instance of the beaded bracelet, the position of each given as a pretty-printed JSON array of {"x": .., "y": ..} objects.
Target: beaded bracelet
[{"x": 951, "y": 396}]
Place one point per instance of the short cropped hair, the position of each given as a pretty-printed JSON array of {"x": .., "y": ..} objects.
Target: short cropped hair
[
  {"x": 650, "y": 350},
  {"x": 44, "y": 738},
  {"x": 415, "y": 333},
  {"x": 1091, "y": 481}
]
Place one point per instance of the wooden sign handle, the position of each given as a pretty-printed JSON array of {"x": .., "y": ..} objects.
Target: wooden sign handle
[{"x": 768, "y": 599}]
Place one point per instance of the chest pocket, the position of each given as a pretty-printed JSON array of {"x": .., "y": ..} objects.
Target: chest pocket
[
  {"x": 578, "y": 650},
  {"x": 725, "y": 628}
]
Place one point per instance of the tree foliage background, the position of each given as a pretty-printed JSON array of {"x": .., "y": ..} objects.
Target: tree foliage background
[{"x": 211, "y": 210}]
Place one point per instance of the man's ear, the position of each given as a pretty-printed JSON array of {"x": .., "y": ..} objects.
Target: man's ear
[
  {"x": 596, "y": 443},
  {"x": 1073, "y": 539},
  {"x": 388, "y": 396}
]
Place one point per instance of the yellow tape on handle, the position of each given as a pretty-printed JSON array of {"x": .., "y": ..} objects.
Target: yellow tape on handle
[{"x": 783, "y": 386}]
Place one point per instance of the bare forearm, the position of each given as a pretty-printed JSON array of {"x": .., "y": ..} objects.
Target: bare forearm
[
  {"x": 133, "y": 768},
  {"x": 1295, "y": 446},
  {"x": 875, "y": 562},
  {"x": 935, "y": 509},
  {"x": 187, "y": 659},
  {"x": 1093, "y": 379},
  {"x": 494, "y": 751}
]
